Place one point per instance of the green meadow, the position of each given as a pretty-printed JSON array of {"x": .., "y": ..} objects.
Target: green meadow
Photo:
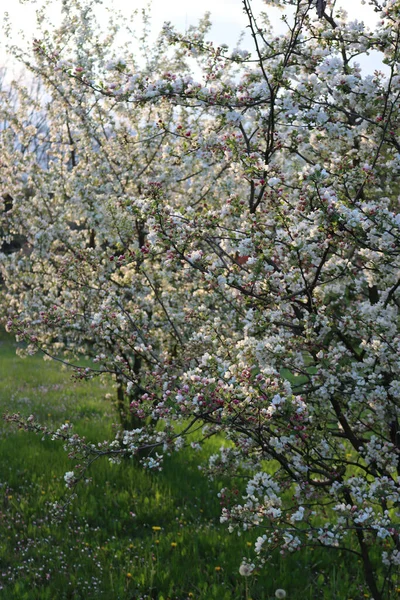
[{"x": 129, "y": 534}]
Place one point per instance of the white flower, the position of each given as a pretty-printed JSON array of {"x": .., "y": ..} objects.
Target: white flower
[
  {"x": 233, "y": 117},
  {"x": 195, "y": 255},
  {"x": 69, "y": 478},
  {"x": 246, "y": 569},
  {"x": 259, "y": 543},
  {"x": 298, "y": 515},
  {"x": 280, "y": 593}
]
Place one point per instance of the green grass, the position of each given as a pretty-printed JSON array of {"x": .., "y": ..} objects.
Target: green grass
[{"x": 105, "y": 547}]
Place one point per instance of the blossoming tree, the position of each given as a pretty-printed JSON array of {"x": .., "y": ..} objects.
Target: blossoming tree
[{"x": 228, "y": 245}]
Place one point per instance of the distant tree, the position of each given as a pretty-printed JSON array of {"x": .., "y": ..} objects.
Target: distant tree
[{"x": 87, "y": 283}]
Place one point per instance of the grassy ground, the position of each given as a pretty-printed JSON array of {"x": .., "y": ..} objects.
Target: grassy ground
[{"x": 129, "y": 534}]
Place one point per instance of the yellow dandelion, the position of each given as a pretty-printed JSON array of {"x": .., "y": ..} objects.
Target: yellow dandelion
[
  {"x": 173, "y": 544},
  {"x": 249, "y": 544},
  {"x": 218, "y": 569},
  {"x": 129, "y": 575},
  {"x": 156, "y": 528}
]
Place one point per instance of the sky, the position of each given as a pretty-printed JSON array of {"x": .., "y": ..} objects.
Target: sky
[{"x": 227, "y": 16}]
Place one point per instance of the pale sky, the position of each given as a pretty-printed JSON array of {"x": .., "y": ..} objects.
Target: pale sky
[{"x": 227, "y": 16}]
